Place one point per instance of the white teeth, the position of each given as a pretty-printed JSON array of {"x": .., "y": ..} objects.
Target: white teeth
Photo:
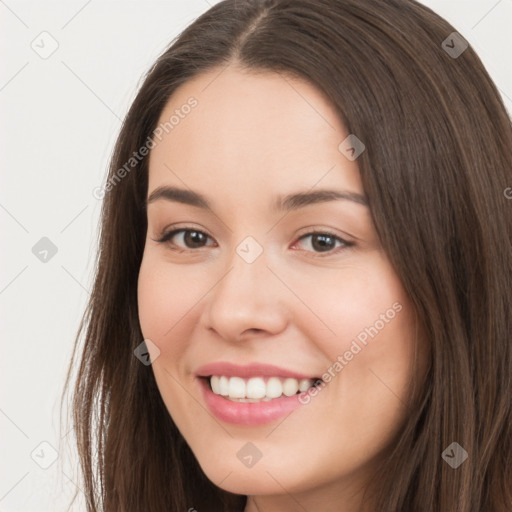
[
  {"x": 257, "y": 388},
  {"x": 236, "y": 387},
  {"x": 223, "y": 386},
  {"x": 274, "y": 388},
  {"x": 290, "y": 387},
  {"x": 305, "y": 384},
  {"x": 214, "y": 381}
]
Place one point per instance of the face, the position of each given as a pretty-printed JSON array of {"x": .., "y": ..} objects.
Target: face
[{"x": 256, "y": 292}]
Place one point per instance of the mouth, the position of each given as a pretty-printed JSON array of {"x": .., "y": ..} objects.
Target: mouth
[
  {"x": 258, "y": 388},
  {"x": 253, "y": 394}
]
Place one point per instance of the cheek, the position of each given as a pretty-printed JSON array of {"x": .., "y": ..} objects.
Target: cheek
[
  {"x": 362, "y": 302},
  {"x": 364, "y": 326},
  {"x": 166, "y": 298}
]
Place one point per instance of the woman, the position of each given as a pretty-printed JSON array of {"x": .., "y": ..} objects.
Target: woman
[{"x": 302, "y": 298}]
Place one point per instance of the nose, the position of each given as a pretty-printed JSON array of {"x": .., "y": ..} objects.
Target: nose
[{"x": 248, "y": 300}]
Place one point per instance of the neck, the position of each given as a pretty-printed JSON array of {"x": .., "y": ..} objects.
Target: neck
[{"x": 320, "y": 500}]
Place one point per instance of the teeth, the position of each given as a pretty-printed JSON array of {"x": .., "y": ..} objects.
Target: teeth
[
  {"x": 291, "y": 386},
  {"x": 305, "y": 384},
  {"x": 236, "y": 387},
  {"x": 257, "y": 388}
]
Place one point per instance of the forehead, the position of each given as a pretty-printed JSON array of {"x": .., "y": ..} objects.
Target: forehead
[{"x": 254, "y": 129}]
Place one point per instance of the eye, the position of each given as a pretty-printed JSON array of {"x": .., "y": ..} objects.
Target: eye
[
  {"x": 189, "y": 238},
  {"x": 325, "y": 242},
  {"x": 320, "y": 243}
]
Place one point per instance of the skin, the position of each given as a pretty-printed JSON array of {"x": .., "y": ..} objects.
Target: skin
[{"x": 251, "y": 138}]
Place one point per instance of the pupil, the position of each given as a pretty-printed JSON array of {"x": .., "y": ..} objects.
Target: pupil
[
  {"x": 193, "y": 238},
  {"x": 323, "y": 245},
  {"x": 320, "y": 242}
]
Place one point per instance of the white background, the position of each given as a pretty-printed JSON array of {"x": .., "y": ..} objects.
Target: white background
[{"x": 59, "y": 119}]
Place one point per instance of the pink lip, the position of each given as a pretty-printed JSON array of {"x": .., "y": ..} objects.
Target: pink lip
[
  {"x": 246, "y": 413},
  {"x": 246, "y": 371}
]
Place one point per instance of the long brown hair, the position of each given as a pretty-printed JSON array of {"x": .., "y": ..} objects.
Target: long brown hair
[{"x": 438, "y": 159}]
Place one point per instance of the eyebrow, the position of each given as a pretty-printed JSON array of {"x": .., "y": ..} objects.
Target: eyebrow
[{"x": 283, "y": 203}]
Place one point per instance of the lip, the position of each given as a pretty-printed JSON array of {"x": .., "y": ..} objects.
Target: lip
[
  {"x": 247, "y": 413},
  {"x": 246, "y": 371}
]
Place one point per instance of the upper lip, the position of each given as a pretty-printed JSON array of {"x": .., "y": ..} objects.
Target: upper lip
[{"x": 247, "y": 371}]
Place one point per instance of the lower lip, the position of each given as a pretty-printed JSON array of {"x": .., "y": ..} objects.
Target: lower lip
[{"x": 247, "y": 413}]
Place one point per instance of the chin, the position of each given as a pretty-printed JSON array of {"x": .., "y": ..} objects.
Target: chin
[{"x": 262, "y": 478}]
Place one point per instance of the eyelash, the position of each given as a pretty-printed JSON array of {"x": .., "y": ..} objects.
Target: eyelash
[{"x": 165, "y": 239}]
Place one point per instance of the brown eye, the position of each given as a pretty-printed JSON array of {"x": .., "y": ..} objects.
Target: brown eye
[
  {"x": 324, "y": 243},
  {"x": 194, "y": 239},
  {"x": 185, "y": 238}
]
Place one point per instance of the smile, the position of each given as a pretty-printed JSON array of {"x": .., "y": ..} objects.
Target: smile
[
  {"x": 252, "y": 394},
  {"x": 257, "y": 389}
]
